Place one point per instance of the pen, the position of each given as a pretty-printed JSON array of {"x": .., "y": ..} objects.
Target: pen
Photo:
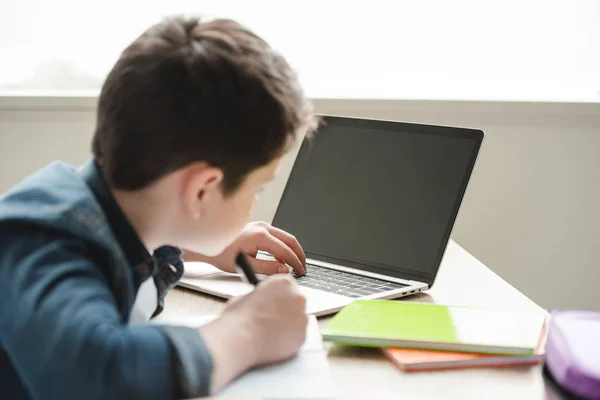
[{"x": 244, "y": 268}]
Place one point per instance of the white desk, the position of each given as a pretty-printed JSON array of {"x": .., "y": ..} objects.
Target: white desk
[{"x": 366, "y": 374}]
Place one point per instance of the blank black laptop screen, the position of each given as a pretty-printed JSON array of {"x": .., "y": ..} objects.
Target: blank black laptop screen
[{"x": 379, "y": 196}]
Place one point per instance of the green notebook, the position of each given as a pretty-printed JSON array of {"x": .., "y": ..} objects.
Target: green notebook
[{"x": 387, "y": 323}]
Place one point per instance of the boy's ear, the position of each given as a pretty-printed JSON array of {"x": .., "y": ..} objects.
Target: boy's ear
[{"x": 202, "y": 182}]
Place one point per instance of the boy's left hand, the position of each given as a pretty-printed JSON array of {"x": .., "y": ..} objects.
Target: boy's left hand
[{"x": 262, "y": 236}]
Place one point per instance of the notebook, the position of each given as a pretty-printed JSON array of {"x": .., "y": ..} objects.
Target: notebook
[
  {"x": 414, "y": 360},
  {"x": 388, "y": 323}
]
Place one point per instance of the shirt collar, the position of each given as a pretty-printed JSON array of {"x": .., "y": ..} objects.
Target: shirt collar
[{"x": 130, "y": 242}]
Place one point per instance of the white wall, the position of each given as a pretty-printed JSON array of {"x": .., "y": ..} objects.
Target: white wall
[
  {"x": 531, "y": 212},
  {"x": 31, "y": 139}
]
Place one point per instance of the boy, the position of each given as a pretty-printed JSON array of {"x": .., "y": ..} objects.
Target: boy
[{"x": 191, "y": 123}]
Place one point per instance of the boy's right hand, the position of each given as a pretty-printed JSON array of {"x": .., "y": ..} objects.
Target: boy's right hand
[
  {"x": 275, "y": 313},
  {"x": 265, "y": 326}
]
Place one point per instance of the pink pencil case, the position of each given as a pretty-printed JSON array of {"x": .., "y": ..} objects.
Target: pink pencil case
[{"x": 573, "y": 352}]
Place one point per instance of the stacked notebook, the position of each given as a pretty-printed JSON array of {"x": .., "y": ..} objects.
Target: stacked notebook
[{"x": 418, "y": 336}]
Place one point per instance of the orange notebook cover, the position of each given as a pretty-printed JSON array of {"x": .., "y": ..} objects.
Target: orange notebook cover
[{"x": 413, "y": 360}]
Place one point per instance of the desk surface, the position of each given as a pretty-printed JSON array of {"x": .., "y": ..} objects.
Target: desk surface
[{"x": 365, "y": 373}]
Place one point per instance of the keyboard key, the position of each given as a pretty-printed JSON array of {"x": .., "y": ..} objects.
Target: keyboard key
[
  {"x": 343, "y": 283},
  {"x": 310, "y": 280},
  {"x": 364, "y": 292},
  {"x": 310, "y": 285},
  {"x": 343, "y": 292},
  {"x": 374, "y": 284}
]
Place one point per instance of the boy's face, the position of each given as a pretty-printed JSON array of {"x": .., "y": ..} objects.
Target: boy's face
[{"x": 224, "y": 217}]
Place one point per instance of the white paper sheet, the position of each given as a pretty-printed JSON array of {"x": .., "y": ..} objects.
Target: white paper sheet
[{"x": 306, "y": 376}]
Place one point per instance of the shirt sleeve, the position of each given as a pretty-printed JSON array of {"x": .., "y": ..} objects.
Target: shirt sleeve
[{"x": 60, "y": 326}]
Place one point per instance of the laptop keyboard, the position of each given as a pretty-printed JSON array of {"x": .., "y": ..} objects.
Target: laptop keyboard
[{"x": 344, "y": 283}]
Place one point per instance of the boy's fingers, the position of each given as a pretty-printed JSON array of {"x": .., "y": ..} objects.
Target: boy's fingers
[
  {"x": 282, "y": 251},
  {"x": 290, "y": 240},
  {"x": 268, "y": 267}
]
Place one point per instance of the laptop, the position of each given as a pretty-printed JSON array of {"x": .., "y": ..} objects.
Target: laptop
[{"x": 373, "y": 204}]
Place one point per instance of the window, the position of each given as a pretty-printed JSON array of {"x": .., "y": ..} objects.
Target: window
[{"x": 341, "y": 48}]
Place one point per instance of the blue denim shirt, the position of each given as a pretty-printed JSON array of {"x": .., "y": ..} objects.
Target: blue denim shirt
[{"x": 70, "y": 268}]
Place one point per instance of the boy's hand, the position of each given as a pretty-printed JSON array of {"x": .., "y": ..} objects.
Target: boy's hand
[
  {"x": 262, "y": 236},
  {"x": 265, "y": 326}
]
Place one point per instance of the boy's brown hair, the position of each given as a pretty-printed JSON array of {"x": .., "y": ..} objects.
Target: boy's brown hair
[{"x": 188, "y": 91}]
